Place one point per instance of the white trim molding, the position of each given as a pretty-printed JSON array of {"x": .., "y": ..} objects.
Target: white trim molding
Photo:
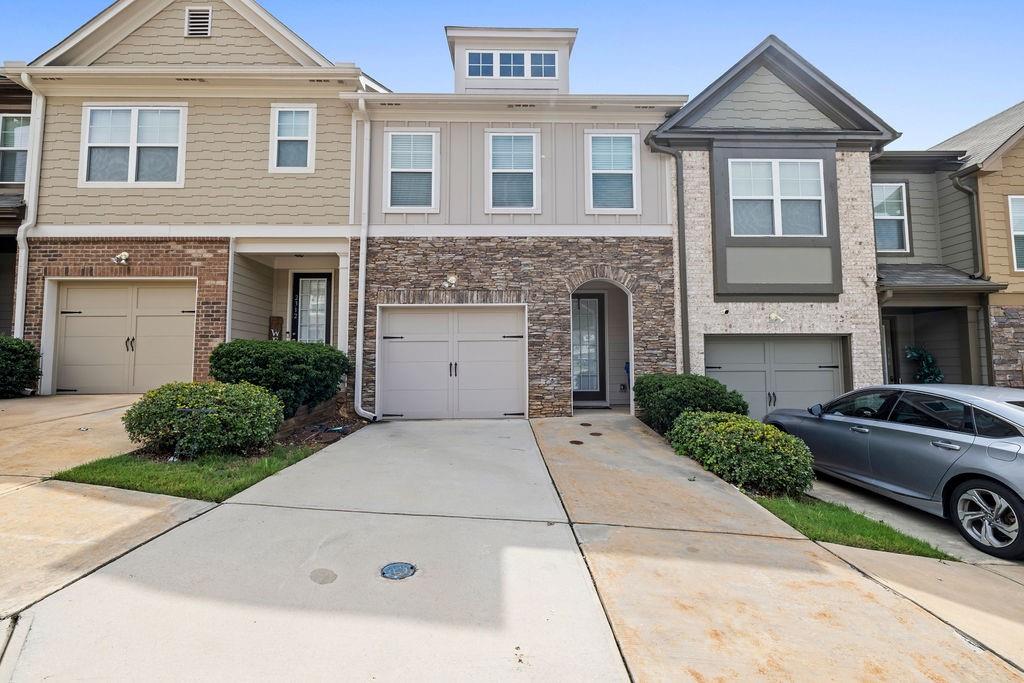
[
  {"x": 434, "y": 170},
  {"x": 634, "y": 171},
  {"x": 489, "y": 135},
  {"x": 309, "y": 138},
  {"x": 132, "y": 145}
]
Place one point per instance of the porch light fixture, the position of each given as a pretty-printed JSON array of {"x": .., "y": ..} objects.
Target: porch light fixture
[
  {"x": 121, "y": 259},
  {"x": 450, "y": 281},
  {"x": 775, "y": 317}
]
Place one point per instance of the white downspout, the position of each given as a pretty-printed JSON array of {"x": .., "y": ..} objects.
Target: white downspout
[
  {"x": 364, "y": 233},
  {"x": 31, "y": 201},
  {"x": 231, "y": 289}
]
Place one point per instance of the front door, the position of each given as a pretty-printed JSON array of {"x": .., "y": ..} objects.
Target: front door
[
  {"x": 589, "y": 378},
  {"x": 311, "y": 307}
]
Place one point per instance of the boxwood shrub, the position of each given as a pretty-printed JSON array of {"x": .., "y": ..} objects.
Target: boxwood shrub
[
  {"x": 756, "y": 457},
  {"x": 19, "y": 367},
  {"x": 660, "y": 399},
  {"x": 191, "y": 419},
  {"x": 299, "y": 374}
]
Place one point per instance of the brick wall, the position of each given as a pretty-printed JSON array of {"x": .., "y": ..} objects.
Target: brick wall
[
  {"x": 205, "y": 259},
  {"x": 1007, "y": 345},
  {"x": 541, "y": 272}
]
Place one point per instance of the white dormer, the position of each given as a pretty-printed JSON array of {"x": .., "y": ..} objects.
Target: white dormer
[{"x": 501, "y": 60}]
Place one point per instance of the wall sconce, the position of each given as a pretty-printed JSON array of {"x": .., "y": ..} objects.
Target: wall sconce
[
  {"x": 775, "y": 317},
  {"x": 121, "y": 259},
  {"x": 450, "y": 281}
]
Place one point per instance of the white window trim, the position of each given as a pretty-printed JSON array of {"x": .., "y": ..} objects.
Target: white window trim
[
  {"x": 310, "y": 166},
  {"x": 83, "y": 158},
  {"x": 495, "y": 56},
  {"x": 905, "y": 218},
  {"x": 386, "y": 199},
  {"x": 535, "y": 134},
  {"x": 1014, "y": 229},
  {"x": 12, "y": 115},
  {"x": 613, "y": 132},
  {"x": 776, "y": 198},
  {"x": 199, "y": 8}
]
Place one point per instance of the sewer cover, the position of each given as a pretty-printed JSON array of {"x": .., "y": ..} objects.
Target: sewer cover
[
  {"x": 576, "y": 442},
  {"x": 585, "y": 424},
  {"x": 398, "y": 570}
]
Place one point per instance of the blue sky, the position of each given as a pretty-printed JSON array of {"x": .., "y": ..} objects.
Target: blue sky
[{"x": 930, "y": 68}]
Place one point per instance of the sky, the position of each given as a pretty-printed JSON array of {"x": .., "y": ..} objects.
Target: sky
[{"x": 929, "y": 68}]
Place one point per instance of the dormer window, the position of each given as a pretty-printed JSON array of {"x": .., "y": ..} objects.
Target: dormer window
[
  {"x": 542, "y": 65},
  {"x": 198, "y": 22},
  {"x": 480, "y": 64},
  {"x": 512, "y": 65}
]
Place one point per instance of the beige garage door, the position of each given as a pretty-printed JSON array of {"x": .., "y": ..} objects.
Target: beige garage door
[
  {"x": 445, "y": 362},
  {"x": 115, "y": 337}
]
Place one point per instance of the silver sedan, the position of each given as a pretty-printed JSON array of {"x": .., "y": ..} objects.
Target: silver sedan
[{"x": 951, "y": 450}]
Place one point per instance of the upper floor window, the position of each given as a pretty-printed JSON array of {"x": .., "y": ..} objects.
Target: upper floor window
[
  {"x": 480, "y": 64},
  {"x": 774, "y": 197},
  {"x": 13, "y": 147},
  {"x": 292, "y": 139},
  {"x": 892, "y": 227},
  {"x": 410, "y": 181},
  {"x": 613, "y": 186},
  {"x": 133, "y": 146},
  {"x": 542, "y": 65},
  {"x": 512, "y": 64},
  {"x": 512, "y": 172},
  {"x": 1017, "y": 230}
]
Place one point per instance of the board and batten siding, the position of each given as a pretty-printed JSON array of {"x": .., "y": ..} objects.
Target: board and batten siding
[
  {"x": 252, "y": 299},
  {"x": 955, "y": 224},
  {"x": 995, "y": 189},
  {"x": 922, "y": 204},
  {"x": 462, "y": 185},
  {"x": 227, "y": 178}
]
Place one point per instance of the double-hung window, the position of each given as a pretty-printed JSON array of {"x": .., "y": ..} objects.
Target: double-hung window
[
  {"x": 512, "y": 172},
  {"x": 542, "y": 64},
  {"x": 13, "y": 147},
  {"x": 410, "y": 181},
  {"x": 1017, "y": 230},
  {"x": 512, "y": 64},
  {"x": 892, "y": 229},
  {"x": 292, "y": 138},
  {"x": 481, "y": 64},
  {"x": 772, "y": 197},
  {"x": 612, "y": 160},
  {"x": 133, "y": 146}
]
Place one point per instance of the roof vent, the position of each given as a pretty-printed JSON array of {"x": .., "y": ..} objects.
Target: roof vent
[
  {"x": 390, "y": 104},
  {"x": 522, "y": 106},
  {"x": 198, "y": 22}
]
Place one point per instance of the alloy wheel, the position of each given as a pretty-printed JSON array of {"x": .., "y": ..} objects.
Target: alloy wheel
[{"x": 987, "y": 517}]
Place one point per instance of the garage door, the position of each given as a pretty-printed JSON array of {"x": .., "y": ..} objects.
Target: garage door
[
  {"x": 118, "y": 337},
  {"x": 451, "y": 362},
  {"x": 777, "y": 372}
]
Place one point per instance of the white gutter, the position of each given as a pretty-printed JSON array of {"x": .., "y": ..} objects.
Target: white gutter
[
  {"x": 38, "y": 120},
  {"x": 364, "y": 233}
]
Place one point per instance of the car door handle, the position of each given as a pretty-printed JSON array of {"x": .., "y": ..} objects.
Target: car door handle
[
  {"x": 946, "y": 445},
  {"x": 860, "y": 430}
]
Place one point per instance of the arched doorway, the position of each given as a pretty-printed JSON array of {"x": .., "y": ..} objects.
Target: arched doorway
[{"x": 602, "y": 345}]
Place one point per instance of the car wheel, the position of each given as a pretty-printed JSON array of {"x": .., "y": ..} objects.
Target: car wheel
[{"x": 988, "y": 515}]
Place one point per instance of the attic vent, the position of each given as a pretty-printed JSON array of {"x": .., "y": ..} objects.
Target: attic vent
[
  {"x": 522, "y": 106},
  {"x": 198, "y": 22},
  {"x": 319, "y": 80},
  {"x": 390, "y": 104},
  {"x": 191, "y": 80},
  {"x": 645, "y": 107}
]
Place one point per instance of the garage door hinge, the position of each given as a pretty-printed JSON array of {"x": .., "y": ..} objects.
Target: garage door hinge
[
  {"x": 515, "y": 414},
  {"x": 66, "y": 391},
  {"x": 712, "y": 367},
  {"x": 70, "y": 312},
  {"x": 387, "y": 337},
  {"x": 393, "y": 415},
  {"x": 828, "y": 367},
  {"x": 192, "y": 311},
  {"x": 512, "y": 336}
]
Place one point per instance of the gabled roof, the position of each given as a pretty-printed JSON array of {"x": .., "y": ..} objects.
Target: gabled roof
[
  {"x": 985, "y": 142},
  {"x": 124, "y": 16},
  {"x": 852, "y": 119}
]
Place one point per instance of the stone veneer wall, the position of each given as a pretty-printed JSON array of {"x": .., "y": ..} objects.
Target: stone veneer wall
[
  {"x": 1007, "y": 323},
  {"x": 538, "y": 271},
  {"x": 205, "y": 259},
  {"x": 855, "y": 314}
]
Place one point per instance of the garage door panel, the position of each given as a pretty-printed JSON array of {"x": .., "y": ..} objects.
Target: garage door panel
[
  {"x": 740, "y": 351},
  {"x": 491, "y": 323},
  {"x": 490, "y": 403},
  {"x": 497, "y": 376},
  {"x": 97, "y": 300},
  {"x": 801, "y": 389},
  {"x": 805, "y": 352},
  {"x": 413, "y": 322},
  {"x": 416, "y": 351},
  {"x": 97, "y": 378},
  {"x": 487, "y": 351},
  {"x": 416, "y": 404},
  {"x": 752, "y": 384},
  {"x": 174, "y": 299},
  {"x": 415, "y": 376}
]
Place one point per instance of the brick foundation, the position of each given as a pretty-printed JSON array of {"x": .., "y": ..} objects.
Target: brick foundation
[
  {"x": 541, "y": 272},
  {"x": 1007, "y": 324}
]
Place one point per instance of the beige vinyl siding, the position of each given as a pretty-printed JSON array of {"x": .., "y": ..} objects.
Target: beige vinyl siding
[
  {"x": 227, "y": 178},
  {"x": 956, "y": 227},
  {"x": 563, "y": 176},
  {"x": 162, "y": 41},
  {"x": 764, "y": 101},
  {"x": 995, "y": 189},
  {"x": 252, "y": 295},
  {"x": 922, "y": 205}
]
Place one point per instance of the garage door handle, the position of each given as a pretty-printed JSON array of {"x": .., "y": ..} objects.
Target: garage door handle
[
  {"x": 133, "y": 344},
  {"x": 126, "y": 339},
  {"x": 450, "y": 369},
  {"x": 456, "y": 369},
  {"x": 860, "y": 430},
  {"x": 946, "y": 445}
]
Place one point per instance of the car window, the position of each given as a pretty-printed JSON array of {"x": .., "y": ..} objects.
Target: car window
[
  {"x": 933, "y": 412},
  {"x": 992, "y": 427},
  {"x": 871, "y": 405}
]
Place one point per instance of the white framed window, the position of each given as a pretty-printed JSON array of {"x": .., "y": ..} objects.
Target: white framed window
[
  {"x": 481, "y": 64},
  {"x": 198, "y": 22},
  {"x": 777, "y": 197},
  {"x": 612, "y": 177},
  {"x": 892, "y": 222},
  {"x": 410, "y": 176},
  {"x": 1016, "y": 207},
  {"x": 133, "y": 146},
  {"x": 14, "y": 130},
  {"x": 513, "y": 181},
  {"x": 293, "y": 138},
  {"x": 511, "y": 64}
]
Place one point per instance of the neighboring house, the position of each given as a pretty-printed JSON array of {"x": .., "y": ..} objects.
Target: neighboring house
[
  {"x": 15, "y": 103},
  {"x": 778, "y": 291}
]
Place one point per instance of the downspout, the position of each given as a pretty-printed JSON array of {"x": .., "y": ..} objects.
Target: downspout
[
  {"x": 684, "y": 317},
  {"x": 364, "y": 233},
  {"x": 38, "y": 115},
  {"x": 231, "y": 289},
  {"x": 979, "y": 269}
]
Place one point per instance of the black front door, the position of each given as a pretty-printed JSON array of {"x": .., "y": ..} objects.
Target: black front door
[
  {"x": 589, "y": 376},
  {"x": 311, "y": 307}
]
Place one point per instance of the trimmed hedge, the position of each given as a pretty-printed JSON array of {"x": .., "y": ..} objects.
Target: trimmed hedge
[
  {"x": 660, "y": 399},
  {"x": 190, "y": 419},
  {"x": 299, "y": 374},
  {"x": 19, "y": 367},
  {"x": 756, "y": 457}
]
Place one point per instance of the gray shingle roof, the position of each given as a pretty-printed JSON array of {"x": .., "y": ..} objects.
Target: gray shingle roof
[
  {"x": 930, "y": 276},
  {"x": 983, "y": 139}
]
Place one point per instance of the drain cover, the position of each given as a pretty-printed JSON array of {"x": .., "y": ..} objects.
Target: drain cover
[
  {"x": 595, "y": 433},
  {"x": 585, "y": 424},
  {"x": 398, "y": 570},
  {"x": 576, "y": 442}
]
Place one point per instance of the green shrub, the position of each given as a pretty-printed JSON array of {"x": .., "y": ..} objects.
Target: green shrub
[
  {"x": 299, "y": 374},
  {"x": 199, "y": 418},
  {"x": 19, "y": 367},
  {"x": 660, "y": 399},
  {"x": 756, "y": 457}
]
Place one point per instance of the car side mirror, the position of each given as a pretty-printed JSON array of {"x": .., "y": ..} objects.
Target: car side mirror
[{"x": 817, "y": 410}]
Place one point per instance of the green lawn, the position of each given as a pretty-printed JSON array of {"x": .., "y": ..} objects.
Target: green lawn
[
  {"x": 213, "y": 477},
  {"x": 831, "y": 523}
]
